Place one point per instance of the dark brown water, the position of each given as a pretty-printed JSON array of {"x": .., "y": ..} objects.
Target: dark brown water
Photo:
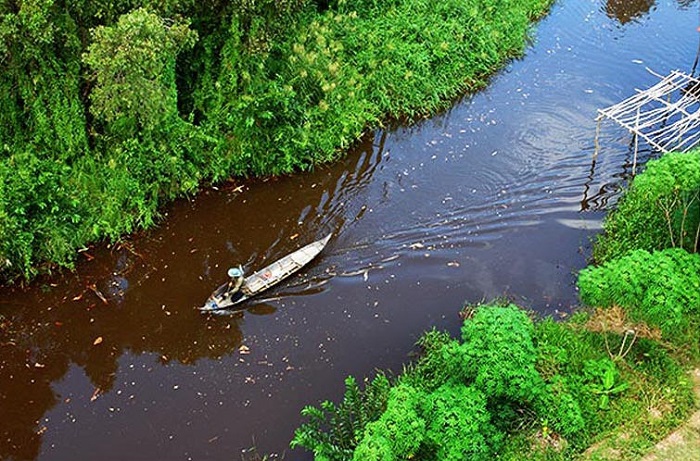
[{"x": 496, "y": 197}]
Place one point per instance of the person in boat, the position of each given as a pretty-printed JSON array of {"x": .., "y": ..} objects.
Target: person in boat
[{"x": 235, "y": 283}]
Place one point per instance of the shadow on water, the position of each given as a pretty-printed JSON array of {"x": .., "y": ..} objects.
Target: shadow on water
[
  {"x": 84, "y": 322},
  {"x": 138, "y": 297},
  {"x": 497, "y": 196}
]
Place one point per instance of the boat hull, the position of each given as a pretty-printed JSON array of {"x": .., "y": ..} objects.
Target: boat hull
[{"x": 266, "y": 277}]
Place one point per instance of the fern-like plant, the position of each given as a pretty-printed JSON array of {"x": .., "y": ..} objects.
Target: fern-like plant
[
  {"x": 499, "y": 353},
  {"x": 660, "y": 288},
  {"x": 399, "y": 432},
  {"x": 333, "y": 431},
  {"x": 460, "y": 425}
]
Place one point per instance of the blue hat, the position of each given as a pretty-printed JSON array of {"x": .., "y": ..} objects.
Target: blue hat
[{"x": 235, "y": 272}]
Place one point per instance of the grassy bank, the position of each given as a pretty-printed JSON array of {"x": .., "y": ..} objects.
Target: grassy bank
[
  {"x": 108, "y": 110},
  {"x": 606, "y": 384}
]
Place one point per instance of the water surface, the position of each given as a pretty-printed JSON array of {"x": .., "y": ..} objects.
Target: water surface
[{"x": 498, "y": 196}]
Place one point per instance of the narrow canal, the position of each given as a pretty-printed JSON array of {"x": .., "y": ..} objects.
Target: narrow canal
[{"x": 498, "y": 196}]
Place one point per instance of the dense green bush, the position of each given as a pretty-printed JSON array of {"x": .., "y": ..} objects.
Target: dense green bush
[
  {"x": 460, "y": 399},
  {"x": 499, "y": 355},
  {"x": 660, "y": 288},
  {"x": 660, "y": 210},
  {"x": 36, "y": 214},
  {"x": 399, "y": 432},
  {"x": 460, "y": 425}
]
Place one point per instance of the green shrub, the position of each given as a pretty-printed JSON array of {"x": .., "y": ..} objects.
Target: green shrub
[
  {"x": 660, "y": 288},
  {"x": 660, "y": 210},
  {"x": 459, "y": 425},
  {"x": 496, "y": 356},
  {"x": 399, "y": 432},
  {"x": 40, "y": 213},
  {"x": 441, "y": 361},
  {"x": 499, "y": 355}
]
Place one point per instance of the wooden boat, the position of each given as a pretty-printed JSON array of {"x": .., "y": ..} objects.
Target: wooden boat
[{"x": 266, "y": 277}]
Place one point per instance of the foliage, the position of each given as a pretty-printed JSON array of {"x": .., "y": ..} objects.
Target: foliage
[
  {"x": 461, "y": 397},
  {"x": 660, "y": 210},
  {"x": 40, "y": 106},
  {"x": 400, "y": 430},
  {"x": 333, "y": 431},
  {"x": 183, "y": 92},
  {"x": 563, "y": 349},
  {"x": 604, "y": 381},
  {"x": 515, "y": 389},
  {"x": 499, "y": 353},
  {"x": 496, "y": 355},
  {"x": 440, "y": 362},
  {"x": 133, "y": 62},
  {"x": 576, "y": 360},
  {"x": 561, "y": 408},
  {"x": 450, "y": 423},
  {"x": 460, "y": 424},
  {"x": 660, "y": 288},
  {"x": 29, "y": 214}
]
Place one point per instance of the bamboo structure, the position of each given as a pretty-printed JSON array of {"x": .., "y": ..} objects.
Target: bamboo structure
[{"x": 667, "y": 115}]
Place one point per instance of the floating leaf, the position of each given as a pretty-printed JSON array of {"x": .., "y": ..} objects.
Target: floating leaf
[{"x": 96, "y": 394}]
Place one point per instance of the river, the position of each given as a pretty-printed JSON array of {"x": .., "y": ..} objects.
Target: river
[{"x": 496, "y": 197}]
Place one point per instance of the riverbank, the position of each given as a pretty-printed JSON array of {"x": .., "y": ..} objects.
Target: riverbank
[
  {"x": 99, "y": 136},
  {"x": 606, "y": 384}
]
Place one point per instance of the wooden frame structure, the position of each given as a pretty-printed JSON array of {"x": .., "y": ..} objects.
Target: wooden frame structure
[{"x": 667, "y": 115}]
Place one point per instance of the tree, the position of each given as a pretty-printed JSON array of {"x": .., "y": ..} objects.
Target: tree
[{"x": 133, "y": 63}]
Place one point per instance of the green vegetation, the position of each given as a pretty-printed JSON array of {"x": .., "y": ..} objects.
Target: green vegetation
[
  {"x": 661, "y": 289},
  {"x": 109, "y": 109},
  {"x": 660, "y": 210},
  {"x": 331, "y": 430},
  {"x": 606, "y": 384},
  {"x": 510, "y": 387}
]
